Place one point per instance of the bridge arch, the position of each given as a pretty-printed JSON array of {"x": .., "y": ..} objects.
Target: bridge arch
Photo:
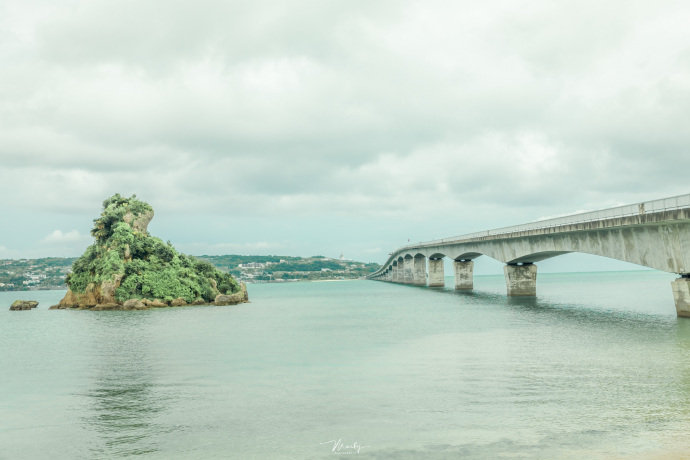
[
  {"x": 468, "y": 256},
  {"x": 538, "y": 256}
]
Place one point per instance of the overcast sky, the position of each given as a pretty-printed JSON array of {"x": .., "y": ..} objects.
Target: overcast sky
[{"x": 329, "y": 127}]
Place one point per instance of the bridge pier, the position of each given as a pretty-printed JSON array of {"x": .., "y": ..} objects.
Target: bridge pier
[
  {"x": 408, "y": 268},
  {"x": 396, "y": 273},
  {"x": 521, "y": 280},
  {"x": 681, "y": 294},
  {"x": 419, "y": 270},
  {"x": 436, "y": 275},
  {"x": 464, "y": 274}
]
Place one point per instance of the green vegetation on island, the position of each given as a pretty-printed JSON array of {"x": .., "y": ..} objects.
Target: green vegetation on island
[
  {"x": 125, "y": 263},
  {"x": 150, "y": 268},
  {"x": 50, "y": 273}
]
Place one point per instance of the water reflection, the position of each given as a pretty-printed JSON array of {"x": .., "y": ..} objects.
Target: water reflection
[
  {"x": 124, "y": 399},
  {"x": 564, "y": 310}
]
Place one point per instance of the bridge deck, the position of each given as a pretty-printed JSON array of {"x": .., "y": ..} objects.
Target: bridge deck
[
  {"x": 673, "y": 209},
  {"x": 653, "y": 234}
]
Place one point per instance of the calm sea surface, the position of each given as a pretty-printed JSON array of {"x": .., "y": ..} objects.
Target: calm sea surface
[{"x": 597, "y": 366}]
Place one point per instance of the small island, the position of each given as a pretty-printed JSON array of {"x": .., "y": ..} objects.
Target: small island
[{"x": 128, "y": 269}]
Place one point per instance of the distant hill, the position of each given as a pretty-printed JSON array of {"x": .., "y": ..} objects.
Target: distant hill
[
  {"x": 50, "y": 272},
  {"x": 286, "y": 268},
  {"x": 46, "y": 273}
]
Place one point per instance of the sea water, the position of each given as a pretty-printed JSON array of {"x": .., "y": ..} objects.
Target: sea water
[{"x": 596, "y": 366}]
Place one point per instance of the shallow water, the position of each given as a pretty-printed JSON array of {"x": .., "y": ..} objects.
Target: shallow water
[{"x": 597, "y": 366}]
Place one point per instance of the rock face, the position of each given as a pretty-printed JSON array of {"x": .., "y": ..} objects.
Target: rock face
[
  {"x": 155, "y": 303},
  {"x": 128, "y": 269},
  {"x": 133, "y": 304},
  {"x": 233, "y": 299},
  {"x": 94, "y": 294},
  {"x": 23, "y": 305},
  {"x": 140, "y": 222}
]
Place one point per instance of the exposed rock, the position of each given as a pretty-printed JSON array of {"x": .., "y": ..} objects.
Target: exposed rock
[
  {"x": 23, "y": 305},
  {"x": 199, "y": 302},
  {"x": 245, "y": 293},
  {"x": 106, "y": 306},
  {"x": 133, "y": 304},
  {"x": 214, "y": 286},
  {"x": 95, "y": 294},
  {"x": 179, "y": 302},
  {"x": 108, "y": 289},
  {"x": 140, "y": 222},
  {"x": 90, "y": 298},
  {"x": 233, "y": 299}
]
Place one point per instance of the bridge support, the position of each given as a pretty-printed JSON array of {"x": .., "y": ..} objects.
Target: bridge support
[
  {"x": 681, "y": 294},
  {"x": 419, "y": 270},
  {"x": 395, "y": 277},
  {"x": 521, "y": 280},
  {"x": 464, "y": 274},
  {"x": 408, "y": 269},
  {"x": 436, "y": 275}
]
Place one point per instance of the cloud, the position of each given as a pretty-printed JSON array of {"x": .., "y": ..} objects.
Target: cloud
[
  {"x": 259, "y": 247},
  {"x": 60, "y": 237},
  {"x": 447, "y": 116}
]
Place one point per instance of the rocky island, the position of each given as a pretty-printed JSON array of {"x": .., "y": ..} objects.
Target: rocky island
[
  {"x": 18, "y": 305},
  {"x": 128, "y": 269}
]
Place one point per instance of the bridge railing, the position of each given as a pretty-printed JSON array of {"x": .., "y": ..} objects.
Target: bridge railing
[{"x": 664, "y": 204}]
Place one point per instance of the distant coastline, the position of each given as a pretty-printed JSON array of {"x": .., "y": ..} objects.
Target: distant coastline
[{"x": 49, "y": 273}]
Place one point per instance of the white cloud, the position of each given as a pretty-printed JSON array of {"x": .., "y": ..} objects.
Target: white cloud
[
  {"x": 442, "y": 114},
  {"x": 255, "y": 248},
  {"x": 60, "y": 237}
]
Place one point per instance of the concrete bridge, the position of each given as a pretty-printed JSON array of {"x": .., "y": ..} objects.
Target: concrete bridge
[{"x": 653, "y": 234}]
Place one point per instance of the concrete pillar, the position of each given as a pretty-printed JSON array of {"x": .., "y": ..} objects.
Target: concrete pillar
[
  {"x": 681, "y": 294},
  {"x": 396, "y": 273},
  {"x": 419, "y": 271},
  {"x": 436, "y": 275},
  {"x": 521, "y": 280},
  {"x": 464, "y": 274},
  {"x": 408, "y": 276}
]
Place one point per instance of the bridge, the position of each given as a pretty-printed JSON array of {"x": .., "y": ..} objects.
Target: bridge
[{"x": 653, "y": 234}]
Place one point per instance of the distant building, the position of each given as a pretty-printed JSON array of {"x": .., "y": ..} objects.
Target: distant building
[{"x": 252, "y": 265}]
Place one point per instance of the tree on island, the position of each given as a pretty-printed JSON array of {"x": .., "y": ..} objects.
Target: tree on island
[{"x": 128, "y": 268}]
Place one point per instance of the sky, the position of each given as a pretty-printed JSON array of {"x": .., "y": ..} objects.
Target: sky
[{"x": 334, "y": 127}]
